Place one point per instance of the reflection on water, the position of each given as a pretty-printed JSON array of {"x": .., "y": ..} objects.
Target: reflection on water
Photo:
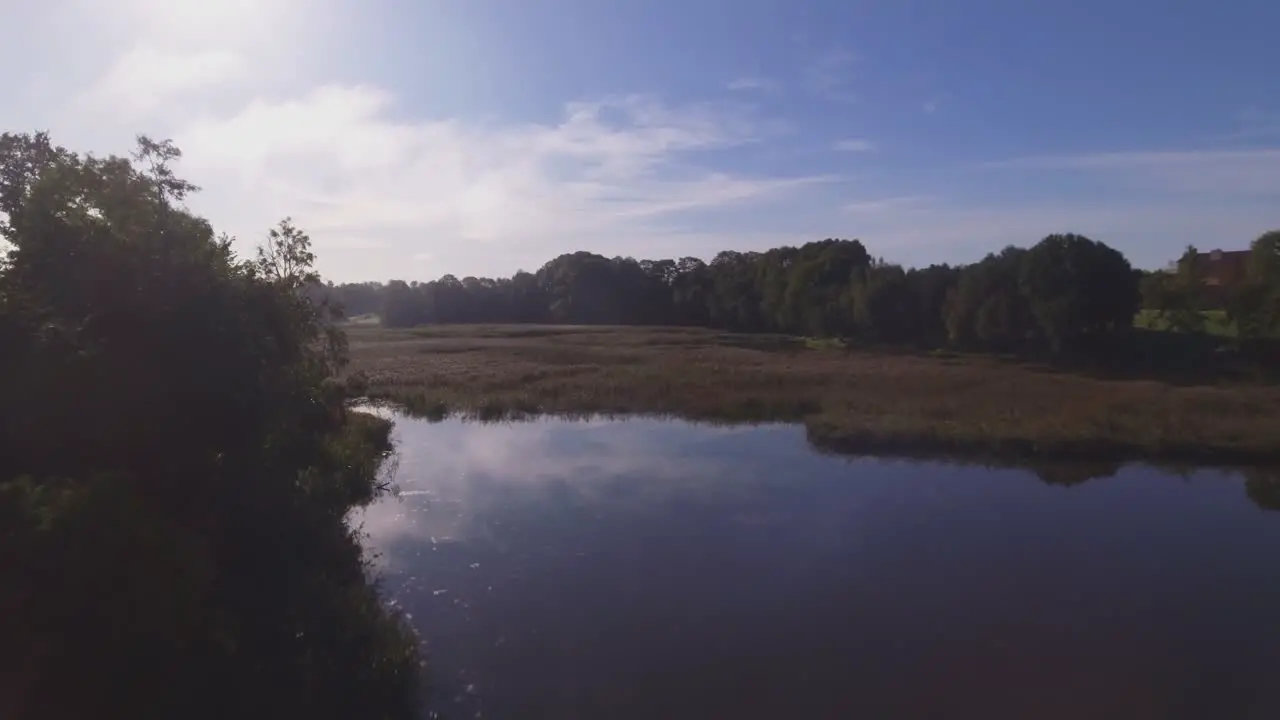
[{"x": 657, "y": 569}]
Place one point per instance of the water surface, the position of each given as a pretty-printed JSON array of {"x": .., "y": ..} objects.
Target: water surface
[{"x": 659, "y": 569}]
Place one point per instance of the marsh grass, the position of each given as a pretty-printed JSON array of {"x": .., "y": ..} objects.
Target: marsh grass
[{"x": 849, "y": 400}]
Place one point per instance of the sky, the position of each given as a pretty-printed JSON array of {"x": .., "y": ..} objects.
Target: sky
[{"x": 414, "y": 138}]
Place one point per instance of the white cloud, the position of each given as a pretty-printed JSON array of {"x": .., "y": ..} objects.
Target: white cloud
[
  {"x": 387, "y": 188},
  {"x": 607, "y": 173},
  {"x": 210, "y": 22},
  {"x": 931, "y": 105},
  {"x": 145, "y": 77},
  {"x": 864, "y": 207},
  {"x": 751, "y": 83},
  {"x": 854, "y": 145}
]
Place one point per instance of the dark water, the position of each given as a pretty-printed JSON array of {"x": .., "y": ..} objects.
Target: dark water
[{"x": 650, "y": 569}]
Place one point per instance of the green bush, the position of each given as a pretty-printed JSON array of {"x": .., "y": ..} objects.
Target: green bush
[{"x": 176, "y": 466}]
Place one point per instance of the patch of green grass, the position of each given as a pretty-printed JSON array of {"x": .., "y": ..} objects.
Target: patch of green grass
[
  {"x": 858, "y": 400},
  {"x": 1216, "y": 322},
  {"x": 825, "y": 344}
]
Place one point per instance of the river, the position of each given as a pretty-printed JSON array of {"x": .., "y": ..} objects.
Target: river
[{"x": 661, "y": 569}]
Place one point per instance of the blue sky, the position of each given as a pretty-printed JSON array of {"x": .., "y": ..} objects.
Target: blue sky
[{"x": 418, "y": 138}]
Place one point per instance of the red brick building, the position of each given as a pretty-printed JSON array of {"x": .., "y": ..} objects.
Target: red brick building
[
  {"x": 1222, "y": 268},
  {"x": 1220, "y": 271}
]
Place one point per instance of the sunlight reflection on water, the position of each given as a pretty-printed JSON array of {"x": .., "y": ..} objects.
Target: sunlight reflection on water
[{"x": 647, "y": 568}]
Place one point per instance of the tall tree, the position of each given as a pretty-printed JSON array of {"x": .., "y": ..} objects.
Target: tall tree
[
  {"x": 176, "y": 463},
  {"x": 1077, "y": 287},
  {"x": 1256, "y": 305}
]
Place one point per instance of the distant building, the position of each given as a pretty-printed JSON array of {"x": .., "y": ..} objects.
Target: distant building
[
  {"x": 1222, "y": 268},
  {"x": 1220, "y": 271}
]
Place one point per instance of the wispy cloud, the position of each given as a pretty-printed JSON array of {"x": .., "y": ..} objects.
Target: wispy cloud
[
  {"x": 145, "y": 77},
  {"x": 1253, "y": 123},
  {"x": 386, "y": 188},
  {"x": 828, "y": 74},
  {"x": 921, "y": 230},
  {"x": 223, "y": 22},
  {"x": 882, "y": 205},
  {"x": 606, "y": 172},
  {"x": 751, "y": 83},
  {"x": 1144, "y": 159},
  {"x": 934, "y": 102},
  {"x": 1254, "y": 172},
  {"x": 853, "y": 145}
]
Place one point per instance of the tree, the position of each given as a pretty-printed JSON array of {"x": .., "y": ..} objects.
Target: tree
[
  {"x": 1264, "y": 258},
  {"x": 884, "y": 306},
  {"x": 986, "y": 308},
  {"x": 1080, "y": 290},
  {"x": 930, "y": 288},
  {"x": 1256, "y": 305},
  {"x": 285, "y": 258},
  {"x": 159, "y": 158},
  {"x": 174, "y": 444},
  {"x": 1175, "y": 297},
  {"x": 1188, "y": 269},
  {"x": 1077, "y": 288}
]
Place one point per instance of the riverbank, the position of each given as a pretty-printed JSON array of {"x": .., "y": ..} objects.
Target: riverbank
[{"x": 849, "y": 400}]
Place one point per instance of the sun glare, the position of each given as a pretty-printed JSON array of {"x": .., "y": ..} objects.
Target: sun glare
[{"x": 208, "y": 18}]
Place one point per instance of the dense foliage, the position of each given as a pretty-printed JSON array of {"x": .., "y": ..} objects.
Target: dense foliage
[
  {"x": 1252, "y": 306},
  {"x": 176, "y": 463},
  {"x": 1066, "y": 292},
  {"x": 1063, "y": 289},
  {"x": 1256, "y": 308}
]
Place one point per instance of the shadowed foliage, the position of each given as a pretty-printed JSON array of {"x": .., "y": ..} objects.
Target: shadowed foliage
[
  {"x": 176, "y": 463},
  {"x": 1067, "y": 298}
]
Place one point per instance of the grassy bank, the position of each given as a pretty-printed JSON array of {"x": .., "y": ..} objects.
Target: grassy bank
[{"x": 849, "y": 400}]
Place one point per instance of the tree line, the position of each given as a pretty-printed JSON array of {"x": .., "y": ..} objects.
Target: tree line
[
  {"x": 1179, "y": 297},
  {"x": 176, "y": 462},
  {"x": 1061, "y": 293}
]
